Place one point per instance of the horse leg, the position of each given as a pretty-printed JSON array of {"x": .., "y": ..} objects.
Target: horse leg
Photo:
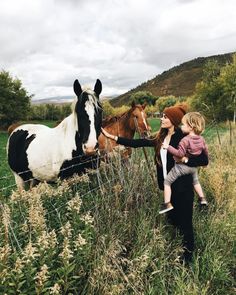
[
  {"x": 33, "y": 183},
  {"x": 19, "y": 182}
]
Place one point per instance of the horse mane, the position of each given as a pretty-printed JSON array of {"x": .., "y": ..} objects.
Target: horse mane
[
  {"x": 110, "y": 120},
  {"x": 93, "y": 99}
]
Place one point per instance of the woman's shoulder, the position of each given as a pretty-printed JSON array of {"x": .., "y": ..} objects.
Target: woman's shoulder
[{"x": 178, "y": 135}]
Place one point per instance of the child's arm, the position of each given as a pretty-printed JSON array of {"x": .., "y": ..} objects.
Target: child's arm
[{"x": 181, "y": 150}]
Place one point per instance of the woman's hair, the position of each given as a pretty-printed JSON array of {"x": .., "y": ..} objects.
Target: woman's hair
[
  {"x": 196, "y": 121},
  {"x": 161, "y": 134},
  {"x": 159, "y": 138}
]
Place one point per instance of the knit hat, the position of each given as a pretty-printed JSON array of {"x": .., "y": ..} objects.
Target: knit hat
[{"x": 175, "y": 114}]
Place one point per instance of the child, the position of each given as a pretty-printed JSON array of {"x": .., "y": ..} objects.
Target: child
[{"x": 191, "y": 145}]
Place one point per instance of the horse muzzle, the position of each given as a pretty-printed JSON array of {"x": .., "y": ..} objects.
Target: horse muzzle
[{"x": 89, "y": 151}]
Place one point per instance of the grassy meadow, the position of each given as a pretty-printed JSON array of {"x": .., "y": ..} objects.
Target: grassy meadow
[{"x": 101, "y": 233}]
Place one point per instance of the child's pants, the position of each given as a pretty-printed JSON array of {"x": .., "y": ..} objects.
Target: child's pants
[{"x": 179, "y": 170}]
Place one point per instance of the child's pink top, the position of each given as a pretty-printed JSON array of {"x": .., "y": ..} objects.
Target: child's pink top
[{"x": 190, "y": 145}]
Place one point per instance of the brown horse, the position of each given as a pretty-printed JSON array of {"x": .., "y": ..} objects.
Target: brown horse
[{"x": 135, "y": 119}]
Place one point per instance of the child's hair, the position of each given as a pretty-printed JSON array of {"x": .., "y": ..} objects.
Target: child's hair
[{"x": 196, "y": 121}]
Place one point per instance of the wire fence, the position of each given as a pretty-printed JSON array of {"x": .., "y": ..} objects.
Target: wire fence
[
  {"x": 102, "y": 181},
  {"x": 82, "y": 161}
]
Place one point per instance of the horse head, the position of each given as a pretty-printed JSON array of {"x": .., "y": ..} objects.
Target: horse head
[
  {"x": 89, "y": 116},
  {"x": 139, "y": 119}
]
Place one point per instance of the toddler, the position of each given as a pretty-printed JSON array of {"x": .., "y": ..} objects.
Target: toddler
[{"x": 191, "y": 145}]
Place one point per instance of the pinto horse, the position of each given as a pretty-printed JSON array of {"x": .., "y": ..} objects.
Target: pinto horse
[
  {"x": 39, "y": 153},
  {"x": 135, "y": 119}
]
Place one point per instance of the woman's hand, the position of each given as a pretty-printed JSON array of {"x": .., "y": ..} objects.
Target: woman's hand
[{"x": 107, "y": 134}]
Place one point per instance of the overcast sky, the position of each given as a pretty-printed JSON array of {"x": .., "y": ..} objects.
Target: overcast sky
[{"x": 50, "y": 43}]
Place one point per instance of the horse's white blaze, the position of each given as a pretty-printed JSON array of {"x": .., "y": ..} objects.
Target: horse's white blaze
[
  {"x": 144, "y": 120},
  {"x": 92, "y": 139}
]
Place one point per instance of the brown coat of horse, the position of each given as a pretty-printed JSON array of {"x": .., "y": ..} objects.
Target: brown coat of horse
[
  {"x": 124, "y": 126},
  {"x": 12, "y": 127}
]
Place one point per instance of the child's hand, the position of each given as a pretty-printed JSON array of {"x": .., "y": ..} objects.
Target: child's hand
[{"x": 165, "y": 145}]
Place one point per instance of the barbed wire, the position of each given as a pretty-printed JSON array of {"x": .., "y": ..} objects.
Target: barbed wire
[
  {"x": 94, "y": 161},
  {"x": 208, "y": 128},
  {"x": 88, "y": 159}
]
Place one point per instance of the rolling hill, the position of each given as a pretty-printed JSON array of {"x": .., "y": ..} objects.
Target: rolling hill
[{"x": 178, "y": 81}]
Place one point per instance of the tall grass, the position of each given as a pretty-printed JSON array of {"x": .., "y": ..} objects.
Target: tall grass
[{"x": 101, "y": 234}]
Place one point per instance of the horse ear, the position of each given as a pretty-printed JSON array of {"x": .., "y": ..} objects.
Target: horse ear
[
  {"x": 77, "y": 88},
  {"x": 144, "y": 105},
  {"x": 133, "y": 104},
  {"x": 98, "y": 87}
]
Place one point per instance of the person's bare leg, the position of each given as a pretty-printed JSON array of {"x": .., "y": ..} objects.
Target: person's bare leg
[
  {"x": 167, "y": 193},
  {"x": 167, "y": 206},
  {"x": 199, "y": 191}
]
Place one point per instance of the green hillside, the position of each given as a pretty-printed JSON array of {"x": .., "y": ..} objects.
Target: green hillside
[{"x": 178, "y": 81}]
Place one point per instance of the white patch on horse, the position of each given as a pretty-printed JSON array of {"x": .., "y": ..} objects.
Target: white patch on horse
[
  {"x": 144, "y": 120},
  {"x": 50, "y": 148},
  {"x": 92, "y": 140}
]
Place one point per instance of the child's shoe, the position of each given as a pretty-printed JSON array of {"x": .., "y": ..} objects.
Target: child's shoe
[
  {"x": 166, "y": 207},
  {"x": 202, "y": 202}
]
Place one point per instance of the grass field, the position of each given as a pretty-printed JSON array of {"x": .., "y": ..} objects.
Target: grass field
[{"x": 101, "y": 233}]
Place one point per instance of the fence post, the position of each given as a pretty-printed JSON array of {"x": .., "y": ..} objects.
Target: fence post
[{"x": 230, "y": 133}]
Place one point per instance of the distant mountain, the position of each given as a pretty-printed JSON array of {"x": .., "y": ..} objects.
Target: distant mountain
[
  {"x": 53, "y": 100},
  {"x": 178, "y": 81},
  {"x": 62, "y": 99}
]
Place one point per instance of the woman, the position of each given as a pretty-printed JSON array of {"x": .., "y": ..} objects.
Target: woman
[{"x": 182, "y": 189}]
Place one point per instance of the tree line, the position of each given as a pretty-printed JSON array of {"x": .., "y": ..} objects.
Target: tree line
[{"x": 214, "y": 96}]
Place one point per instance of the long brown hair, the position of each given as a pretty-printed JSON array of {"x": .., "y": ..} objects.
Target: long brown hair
[{"x": 159, "y": 138}]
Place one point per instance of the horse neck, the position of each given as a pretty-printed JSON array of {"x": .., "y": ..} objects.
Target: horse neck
[
  {"x": 68, "y": 126},
  {"x": 124, "y": 126}
]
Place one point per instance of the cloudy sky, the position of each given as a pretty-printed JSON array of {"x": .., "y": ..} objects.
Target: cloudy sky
[{"x": 50, "y": 43}]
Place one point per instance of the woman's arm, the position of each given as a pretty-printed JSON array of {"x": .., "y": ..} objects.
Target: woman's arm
[
  {"x": 129, "y": 142},
  {"x": 135, "y": 143}
]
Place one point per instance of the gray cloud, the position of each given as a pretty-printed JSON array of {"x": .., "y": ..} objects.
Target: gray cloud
[{"x": 49, "y": 43}]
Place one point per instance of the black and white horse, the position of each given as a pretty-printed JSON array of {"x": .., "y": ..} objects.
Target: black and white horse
[{"x": 39, "y": 153}]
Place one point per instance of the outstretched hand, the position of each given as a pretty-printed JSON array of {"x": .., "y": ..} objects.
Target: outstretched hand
[{"x": 107, "y": 134}]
